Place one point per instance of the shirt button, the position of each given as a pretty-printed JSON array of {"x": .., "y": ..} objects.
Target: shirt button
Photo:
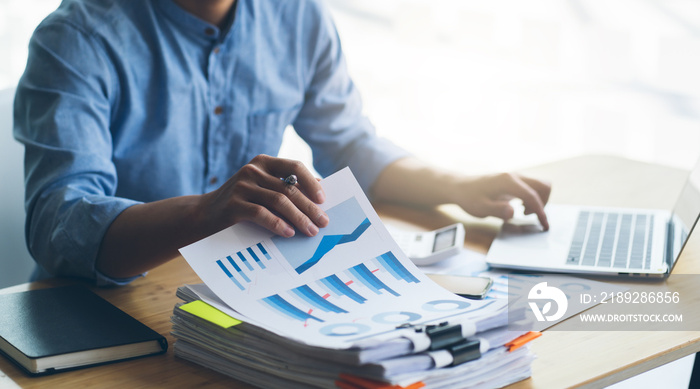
[
  {"x": 218, "y": 110},
  {"x": 213, "y": 180},
  {"x": 209, "y": 31},
  {"x": 216, "y": 50}
]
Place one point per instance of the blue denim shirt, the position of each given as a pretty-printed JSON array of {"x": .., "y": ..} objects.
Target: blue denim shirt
[{"x": 128, "y": 101}]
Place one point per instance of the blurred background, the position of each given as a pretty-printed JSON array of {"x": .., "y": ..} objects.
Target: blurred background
[
  {"x": 502, "y": 84},
  {"x": 481, "y": 86}
]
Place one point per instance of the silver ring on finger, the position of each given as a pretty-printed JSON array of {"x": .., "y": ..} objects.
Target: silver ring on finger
[{"x": 291, "y": 179}]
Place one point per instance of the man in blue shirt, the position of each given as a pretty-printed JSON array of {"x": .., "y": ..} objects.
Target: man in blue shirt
[{"x": 151, "y": 124}]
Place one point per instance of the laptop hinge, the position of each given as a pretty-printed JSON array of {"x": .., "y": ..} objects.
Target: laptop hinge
[{"x": 670, "y": 243}]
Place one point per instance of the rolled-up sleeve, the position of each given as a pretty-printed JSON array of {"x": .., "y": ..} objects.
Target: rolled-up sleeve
[
  {"x": 62, "y": 116},
  {"x": 331, "y": 120}
]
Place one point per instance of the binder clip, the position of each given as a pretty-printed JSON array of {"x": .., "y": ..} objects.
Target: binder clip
[
  {"x": 465, "y": 351},
  {"x": 449, "y": 338},
  {"x": 443, "y": 335},
  {"x": 446, "y": 337}
]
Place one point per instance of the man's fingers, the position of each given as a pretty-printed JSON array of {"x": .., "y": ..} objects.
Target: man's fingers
[
  {"x": 530, "y": 197},
  {"x": 298, "y": 200},
  {"x": 282, "y": 204},
  {"x": 306, "y": 181},
  {"x": 499, "y": 209},
  {"x": 295, "y": 202},
  {"x": 543, "y": 188},
  {"x": 306, "y": 206},
  {"x": 312, "y": 211},
  {"x": 263, "y": 217}
]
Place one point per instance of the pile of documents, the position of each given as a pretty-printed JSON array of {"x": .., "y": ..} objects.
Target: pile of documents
[
  {"x": 263, "y": 358},
  {"x": 345, "y": 309}
]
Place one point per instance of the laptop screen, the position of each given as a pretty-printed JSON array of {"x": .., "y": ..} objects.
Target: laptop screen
[{"x": 685, "y": 214}]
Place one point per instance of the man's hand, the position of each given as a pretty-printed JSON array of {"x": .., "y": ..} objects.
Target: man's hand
[
  {"x": 149, "y": 234},
  {"x": 411, "y": 181},
  {"x": 490, "y": 196},
  {"x": 257, "y": 193}
]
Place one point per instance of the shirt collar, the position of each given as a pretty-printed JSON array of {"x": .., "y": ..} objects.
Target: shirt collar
[{"x": 195, "y": 25}]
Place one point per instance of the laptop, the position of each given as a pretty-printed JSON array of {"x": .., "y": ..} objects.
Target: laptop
[{"x": 603, "y": 240}]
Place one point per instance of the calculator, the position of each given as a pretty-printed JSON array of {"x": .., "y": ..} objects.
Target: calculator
[{"x": 429, "y": 247}]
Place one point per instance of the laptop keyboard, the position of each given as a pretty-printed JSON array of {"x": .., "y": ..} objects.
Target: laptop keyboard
[{"x": 606, "y": 239}]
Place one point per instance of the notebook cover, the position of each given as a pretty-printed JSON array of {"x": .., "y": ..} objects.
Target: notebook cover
[{"x": 55, "y": 321}]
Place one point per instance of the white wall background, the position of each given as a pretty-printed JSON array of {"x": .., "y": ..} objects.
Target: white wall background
[{"x": 501, "y": 84}]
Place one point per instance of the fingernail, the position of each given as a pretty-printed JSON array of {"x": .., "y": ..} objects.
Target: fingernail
[
  {"x": 320, "y": 196},
  {"x": 288, "y": 232},
  {"x": 313, "y": 230},
  {"x": 322, "y": 220}
]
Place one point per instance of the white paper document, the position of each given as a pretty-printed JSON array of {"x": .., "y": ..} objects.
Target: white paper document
[{"x": 348, "y": 285}]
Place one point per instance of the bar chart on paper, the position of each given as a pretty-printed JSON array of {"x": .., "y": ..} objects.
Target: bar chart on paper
[
  {"x": 239, "y": 269},
  {"x": 348, "y": 283},
  {"x": 332, "y": 306},
  {"x": 347, "y": 224},
  {"x": 355, "y": 285}
]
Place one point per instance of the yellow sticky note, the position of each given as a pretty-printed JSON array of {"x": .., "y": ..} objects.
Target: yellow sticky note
[{"x": 207, "y": 312}]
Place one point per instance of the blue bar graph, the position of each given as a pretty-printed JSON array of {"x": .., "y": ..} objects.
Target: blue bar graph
[
  {"x": 238, "y": 269},
  {"x": 387, "y": 267},
  {"x": 395, "y": 268},
  {"x": 281, "y": 305},
  {"x": 242, "y": 263},
  {"x": 367, "y": 278},
  {"x": 252, "y": 254},
  {"x": 341, "y": 289},
  {"x": 230, "y": 276},
  {"x": 244, "y": 260},
  {"x": 307, "y": 294},
  {"x": 262, "y": 250}
]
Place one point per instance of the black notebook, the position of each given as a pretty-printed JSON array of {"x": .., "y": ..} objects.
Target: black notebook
[{"x": 51, "y": 330}]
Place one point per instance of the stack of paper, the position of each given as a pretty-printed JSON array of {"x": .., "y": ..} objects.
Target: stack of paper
[{"x": 343, "y": 309}]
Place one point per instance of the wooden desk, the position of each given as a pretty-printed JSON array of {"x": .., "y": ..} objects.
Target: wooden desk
[{"x": 565, "y": 359}]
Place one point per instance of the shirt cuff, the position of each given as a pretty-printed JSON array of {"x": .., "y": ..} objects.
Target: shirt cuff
[
  {"x": 103, "y": 280},
  {"x": 77, "y": 238}
]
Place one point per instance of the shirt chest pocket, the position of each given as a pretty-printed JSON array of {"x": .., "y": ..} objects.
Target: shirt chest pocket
[{"x": 265, "y": 131}]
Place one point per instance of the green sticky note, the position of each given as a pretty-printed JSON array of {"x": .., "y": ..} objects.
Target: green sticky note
[{"x": 207, "y": 312}]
